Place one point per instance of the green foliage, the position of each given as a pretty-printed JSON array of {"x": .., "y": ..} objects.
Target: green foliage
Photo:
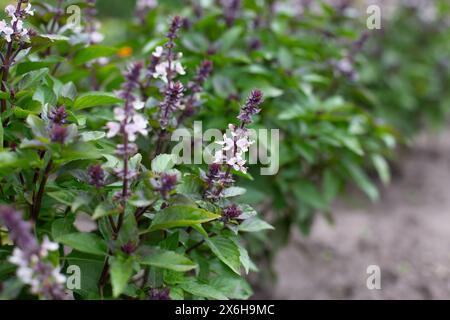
[{"x": 340, "y": 110}]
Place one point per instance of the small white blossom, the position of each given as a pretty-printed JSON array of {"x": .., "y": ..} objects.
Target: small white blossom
[
  {"x": 47, "y": 246},
  {"x": 146, "y": 4},
  {"x": 138, "y": 105},
  {"x": 11, "y": 10},
  {"x": 238, "y": 163},
  {"x": 96, "y": 37},
  {"x": 227, "y": 143},
  {"x": 138, "y": 125},
  {"x": 25, "y": 274},
  {"x": 59, "y": 278},
  {"x": 119, "y": 114},
  {"x": 162, "y": 68},
  {"x": 234, "y": 148},
  {"x": 28, "y": 10},
  {"x": 7, "y": 30},
  {"x": 18, "y": 258},
  {"x": 158, "y": 52},
  {"x": 113, "y": 128}
]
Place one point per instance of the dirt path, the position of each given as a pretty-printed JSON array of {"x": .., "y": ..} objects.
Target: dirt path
[{"x": 407, "y": 234}]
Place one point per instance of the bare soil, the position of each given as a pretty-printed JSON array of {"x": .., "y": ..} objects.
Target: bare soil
[{"x": 407, "y": 234}]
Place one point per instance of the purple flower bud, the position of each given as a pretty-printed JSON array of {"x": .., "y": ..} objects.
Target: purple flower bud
[
  {"x": 58, "y": 134},
  {"x": 254, "y": 44},
  {"x": 176, "y": 24},
  {"x": 231, "y": 212},
  {"x": 129, "y": 248},
  {"x": 58, "y": 116},
  {"x": 251, "y": 107},
  {"x": 159, "y": 294},
  {"x": 96, "y": 176},
  {"x": 165, "y": 184},
  {"x": 216, "y": 180}
]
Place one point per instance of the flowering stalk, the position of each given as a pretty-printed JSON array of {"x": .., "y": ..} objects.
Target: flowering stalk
[
  {"x": 92, "y": 25},
  {"x": 30, "y": 257},
  {"x": 195, "y": 87},
  {"x": 15, "y": 32},
  {"x": 233, "y": 149},
  {"x": 165, "y": 69},
  {"x": 129, "y": 124}
]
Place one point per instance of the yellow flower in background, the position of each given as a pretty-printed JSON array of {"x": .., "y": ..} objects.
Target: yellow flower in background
[{"x": 125, "y": 52}]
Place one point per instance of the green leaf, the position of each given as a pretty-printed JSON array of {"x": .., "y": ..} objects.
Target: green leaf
[
  {"x": 163, "y": 162},
  {"x": 382, "y": 168},
  {"x": 202, "y": 290},
  {"x": 44, "y": 95},
  {"x": 92, "y": 135},
  {"x": 1, "y": 134},
  {"x": 229, "y": 38},
  {"x": 226, "y": 250},
  {"x": 330, "y": 186},
  {"x": 63, "y": 226},
  {"x": 37, "y": 126},
  {"x": 254, "y": 225},
  {"x": 63, "y": 196},
  {"x": 93, "y": 52},
  {"x": 307, "y": 193},
  {"x": 84, "y": 242},
  {"x": 181, "y": 216},
  {"x": 168, "y": 260},
  {"x": 362, "y": 180},
  {"x": 79, "y": 151},
  {"x": 28, "y": 66},
  {"x": 121, "y": 271},
  {"x": 93, "y": 99},
  {"x": 233, "y": 192},
  {"x": 4, "y": 95}
]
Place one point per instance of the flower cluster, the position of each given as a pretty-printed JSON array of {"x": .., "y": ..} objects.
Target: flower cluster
[
  {"x": 164, "y": 184},
  {"x": 128, "y": 122},
  {"x": 234, "y": 148},
  {"x": 168, "y": 61},
  {"x": 58, "y": 115},
  {"x": 216, "y": 180},
  {"x": 167, "y": 68},
  {"x": 159, "y": 294},
  {"x": 16, "y": 30},
  {"x": 29, "y": 256},
  {"x": 231, "y": 212},
  {"x": 58, "y": 132},
  {"x": 96, "y": 176}
]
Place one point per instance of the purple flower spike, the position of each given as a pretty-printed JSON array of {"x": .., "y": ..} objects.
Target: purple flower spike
[{"x": 251, "y": 107}]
